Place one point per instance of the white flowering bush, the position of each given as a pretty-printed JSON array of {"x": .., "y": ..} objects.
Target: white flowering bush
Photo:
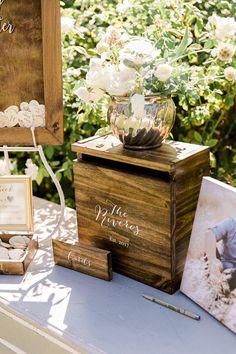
[
  {"x": 143, "y": 47},
  {"x": 203, "y": 81}
]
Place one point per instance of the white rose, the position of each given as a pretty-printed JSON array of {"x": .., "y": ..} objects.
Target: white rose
[
  {"x": 96, "y": 63},
  {"x": 67, "y": 24},
  {"x": 97, "y": 77},
  {"x": 225, "y": 52},
  {"x": 139, "y": 51},
  {"x": 163, "y": 72},
  {"x": 83, "y": 94},
  {"x": 119, "y": 87},
  {"x": 121, "y": 81},
  {"x": 211, "y": 22},
  {"x": 225, "y": 28},
  {"x": 137, "y": 105},
  {"x": 96, "y": 95},
  {"x": 230, "y": 74}
]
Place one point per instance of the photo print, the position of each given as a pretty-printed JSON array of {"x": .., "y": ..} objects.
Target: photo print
[{"x": 209, "y": 276}]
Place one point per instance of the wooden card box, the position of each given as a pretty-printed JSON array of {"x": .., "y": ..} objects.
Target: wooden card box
[
  {"x": 12, "y": 267},
  {"x": 84, "y": 259},
  {"x": 139, "y": 205}
]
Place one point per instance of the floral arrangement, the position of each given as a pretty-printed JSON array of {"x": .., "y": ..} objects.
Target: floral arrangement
[{"x": 133, "y": 66}]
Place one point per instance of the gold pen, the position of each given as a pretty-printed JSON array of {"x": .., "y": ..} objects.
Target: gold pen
[{"x": 172, "y": 307}]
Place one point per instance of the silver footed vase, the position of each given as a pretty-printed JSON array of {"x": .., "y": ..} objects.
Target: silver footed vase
[{"x": 147, "y": 132}]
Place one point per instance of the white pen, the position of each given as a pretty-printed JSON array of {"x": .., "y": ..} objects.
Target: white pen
[{"x": 172, "y": 307}]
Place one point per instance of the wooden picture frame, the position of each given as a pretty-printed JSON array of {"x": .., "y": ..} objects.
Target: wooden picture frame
[
  {"x": 16, "y": 200},
  {"x": 48, "y": 20}
]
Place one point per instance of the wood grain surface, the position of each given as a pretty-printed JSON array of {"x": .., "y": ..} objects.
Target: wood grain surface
[
  {"x": 21, "y": 71},
  {"x": 84, "y": 259},
  {"x": 155, "y": 191},
  {"x": 30, "y": 67},
  {"x": 163, "y": 159}
]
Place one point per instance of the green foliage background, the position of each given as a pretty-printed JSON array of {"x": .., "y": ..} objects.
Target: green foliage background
[{"x": 217, "y": 128}]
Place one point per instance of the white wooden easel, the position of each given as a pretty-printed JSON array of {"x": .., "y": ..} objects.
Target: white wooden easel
[{"x": 38, "y": 148}]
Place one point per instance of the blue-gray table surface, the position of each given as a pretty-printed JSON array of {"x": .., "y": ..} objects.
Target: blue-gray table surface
[{"x": 106, "y": 317}]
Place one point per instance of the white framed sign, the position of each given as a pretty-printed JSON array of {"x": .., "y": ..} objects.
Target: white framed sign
[{"x": 16, "y": 205}]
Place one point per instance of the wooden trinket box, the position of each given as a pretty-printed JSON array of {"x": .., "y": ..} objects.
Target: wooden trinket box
[
  {"x": 139, "y": 205},
  {"x": 84, "y": 259},
  {"x": 16, "y": 221},
  {"x": 19, "y": 267}
]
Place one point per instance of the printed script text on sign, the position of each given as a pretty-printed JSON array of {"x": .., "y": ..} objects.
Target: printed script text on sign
[
  {"x": 113, "y": 216},
  {"x": 5, "y": 24},
  {"x": 13, "y": 205}
]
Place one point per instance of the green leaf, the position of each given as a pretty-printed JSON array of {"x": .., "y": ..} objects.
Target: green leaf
[
  {"x": 49, "y": 151},
  {"x": 229, "y": 101},
  {"x": 197, "y": 137},
  {"x": 183, "y": 45},
  {"x": 131, "y": 65},
  {"x": 211, "y": 142},
  {"x": 198, "y": 27},
  {"x": 44, "y": 171},
  {"x": 212, "y": 160},
  {"x": 40, "y": 177},
  {"x": 209, "y": 44},
  {"x": 58, "y": 175}
]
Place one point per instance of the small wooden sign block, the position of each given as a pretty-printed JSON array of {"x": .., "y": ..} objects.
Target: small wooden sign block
[{"x": 89, "y": 260}]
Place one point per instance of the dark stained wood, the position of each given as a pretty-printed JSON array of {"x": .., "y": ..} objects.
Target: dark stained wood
[
  {"x": 21, "y": 71},
  {"x": 52, "y": 72},
  {"x": 84, "y": 259},
  {"x": 163, "y": 159},
  {"x": 155, "y": 191},
  {"x": 11, "y": 267},
  {"x": 185, "y": 197},
  {"x": 30, "y": 67}
]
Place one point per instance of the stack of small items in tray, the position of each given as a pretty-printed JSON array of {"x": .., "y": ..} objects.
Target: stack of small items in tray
[
  {"x": 16, "y": 253},
  {"x": 15, "y": 248}
]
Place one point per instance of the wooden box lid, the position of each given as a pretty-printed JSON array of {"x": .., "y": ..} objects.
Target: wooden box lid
[{"x": 167, "y": 158}]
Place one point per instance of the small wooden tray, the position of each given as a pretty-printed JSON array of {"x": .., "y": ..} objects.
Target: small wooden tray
[
  {"x": 85, "y": 259},
  {"x": 12, "y": 267}
]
